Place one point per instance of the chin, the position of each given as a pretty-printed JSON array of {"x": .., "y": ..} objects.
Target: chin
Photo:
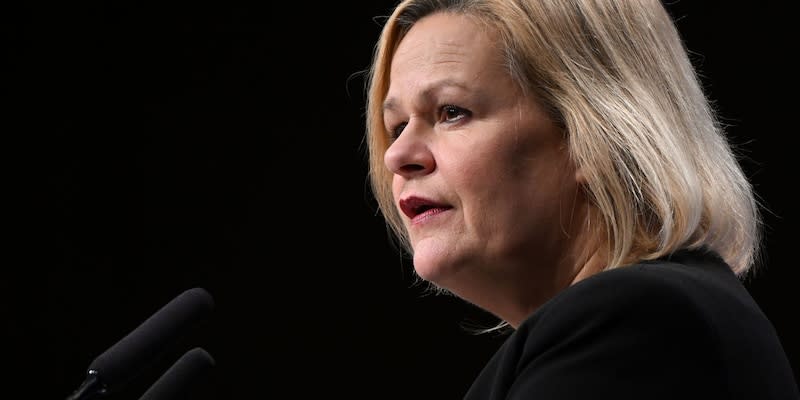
[
  {"x": 427, "y": 272},
  {"x": 434, "y": 269}
]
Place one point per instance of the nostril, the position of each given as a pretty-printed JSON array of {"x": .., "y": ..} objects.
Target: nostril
[{"x": 410, "y": 168}]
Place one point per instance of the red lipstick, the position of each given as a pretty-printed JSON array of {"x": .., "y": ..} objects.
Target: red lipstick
[{"x": 415, "y": 207}]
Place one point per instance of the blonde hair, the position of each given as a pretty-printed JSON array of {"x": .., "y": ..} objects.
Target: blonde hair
[{"x": 658, "y": 167}]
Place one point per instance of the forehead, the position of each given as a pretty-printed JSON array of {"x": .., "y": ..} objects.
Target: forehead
[
  {"x": 446, "y": 44},
  {"x": 444, "y": 31}
]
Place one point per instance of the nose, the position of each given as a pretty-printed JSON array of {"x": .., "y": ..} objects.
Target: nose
[{"x": 410, "y": 154}]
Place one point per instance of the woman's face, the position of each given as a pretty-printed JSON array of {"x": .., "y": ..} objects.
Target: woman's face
[{"x": 482, "y": 175}]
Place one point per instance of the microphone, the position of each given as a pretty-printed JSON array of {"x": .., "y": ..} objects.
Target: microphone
[
  {"x": 123, "y": 360},
  {"x": 191, "y": 367}
]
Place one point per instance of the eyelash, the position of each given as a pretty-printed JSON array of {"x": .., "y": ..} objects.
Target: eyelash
[{"x": 447, "y": 108}]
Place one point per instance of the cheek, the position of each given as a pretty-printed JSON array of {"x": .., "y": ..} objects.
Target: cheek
[
  {"x": 488, "y": 186},
  {"x": 511, "y": 179},
  {"x": 494, "y": 172}
]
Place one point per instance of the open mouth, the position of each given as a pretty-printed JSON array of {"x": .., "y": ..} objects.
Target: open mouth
[{"x": 415, "y": 206}]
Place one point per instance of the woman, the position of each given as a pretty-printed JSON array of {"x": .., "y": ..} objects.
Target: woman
[{"x": 557, "y": 164}]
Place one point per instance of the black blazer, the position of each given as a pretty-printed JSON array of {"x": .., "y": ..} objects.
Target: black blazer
[{"x": 678, "y": 328}]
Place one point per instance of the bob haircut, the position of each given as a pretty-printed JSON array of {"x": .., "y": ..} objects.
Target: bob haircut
[{"x": 615, "y": 75}]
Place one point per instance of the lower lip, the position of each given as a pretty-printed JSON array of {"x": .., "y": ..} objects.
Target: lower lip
[{"x": 420, "y": 218}]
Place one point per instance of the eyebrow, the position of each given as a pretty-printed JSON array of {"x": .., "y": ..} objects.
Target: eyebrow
[{"x": 391, "y": 103}]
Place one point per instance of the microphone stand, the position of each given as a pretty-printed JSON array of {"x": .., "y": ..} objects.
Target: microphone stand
[{"x": 90, "y": 388}]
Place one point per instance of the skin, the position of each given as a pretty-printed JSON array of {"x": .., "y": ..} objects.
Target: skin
[{"x": 504, "y": 226}]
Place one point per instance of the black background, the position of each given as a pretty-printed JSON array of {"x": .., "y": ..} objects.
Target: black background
[{"x": 152, "y": 148}]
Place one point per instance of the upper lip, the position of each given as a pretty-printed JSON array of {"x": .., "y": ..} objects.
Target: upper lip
[{"x": 414, "y": 205}]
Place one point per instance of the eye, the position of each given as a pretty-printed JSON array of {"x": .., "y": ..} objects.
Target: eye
[
  {"x": 395, "y": 132},
  {"x": 450, "y": 113}
]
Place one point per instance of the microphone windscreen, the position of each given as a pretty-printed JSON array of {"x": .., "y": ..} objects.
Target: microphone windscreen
[
  {"x": 175, "y": 383},
  {"x": 135, "y": 351}
]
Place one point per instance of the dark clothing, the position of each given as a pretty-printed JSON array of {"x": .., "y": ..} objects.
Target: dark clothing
[{"x": 682, "y": 327}]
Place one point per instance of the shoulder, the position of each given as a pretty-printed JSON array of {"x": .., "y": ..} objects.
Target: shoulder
[
  {"x": 687, "y": 283},
  {"x": 664, "y": 308},
  {"x": 640, "y": 329},
  {"x": 670, "y": 297}
]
